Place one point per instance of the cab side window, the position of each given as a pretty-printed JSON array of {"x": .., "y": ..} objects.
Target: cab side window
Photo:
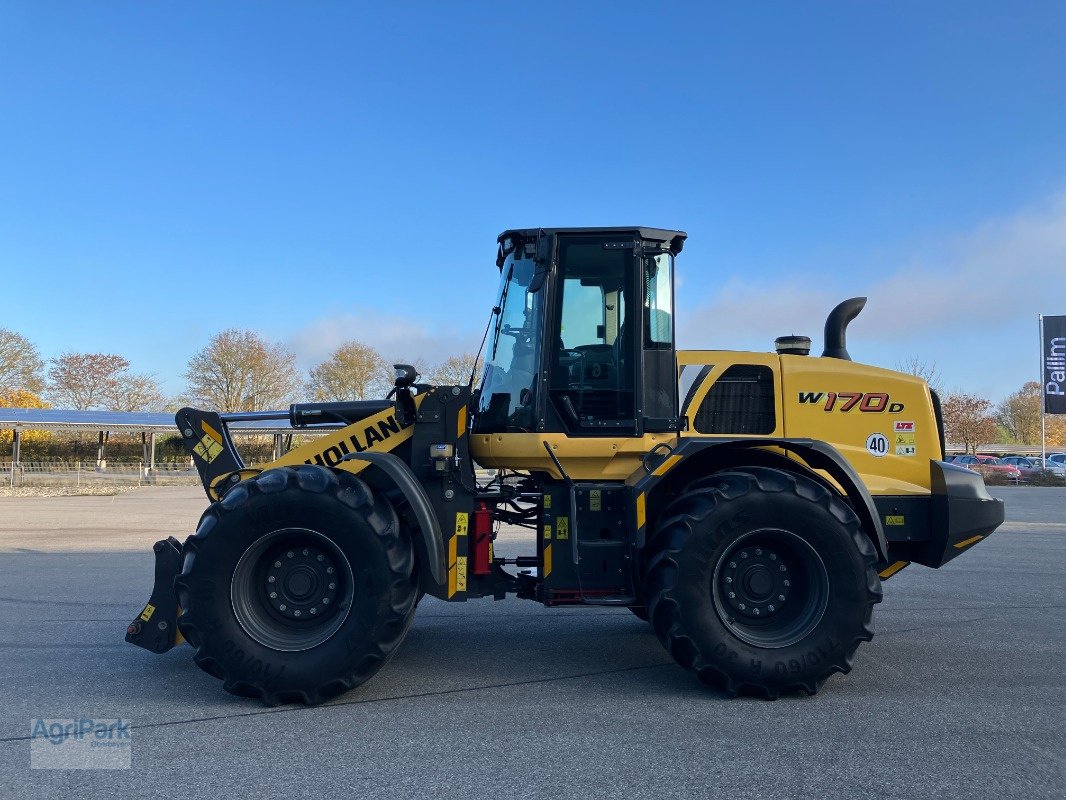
[{"x": 590, "y": 382}]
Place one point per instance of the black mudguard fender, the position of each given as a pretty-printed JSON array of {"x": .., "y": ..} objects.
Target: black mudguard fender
[
  {"x": 693, "y": 457},
  {"x": 429, "y": 545}
]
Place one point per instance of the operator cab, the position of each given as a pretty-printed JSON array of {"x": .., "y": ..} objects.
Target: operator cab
[{"x": 582, "y": 337}]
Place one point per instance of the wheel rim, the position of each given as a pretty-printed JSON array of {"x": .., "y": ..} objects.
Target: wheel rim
[
  {"x": 770, "y": 588},
  {"x": 292, "y": 589}
]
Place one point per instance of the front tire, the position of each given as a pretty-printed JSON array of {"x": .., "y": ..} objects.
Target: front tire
[
  {"x": 760, "y": 581},
  {"x": 297, "y": 586}
]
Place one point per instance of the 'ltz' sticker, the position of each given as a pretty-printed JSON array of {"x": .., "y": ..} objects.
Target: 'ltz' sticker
[{"x": 904, "y": 438}]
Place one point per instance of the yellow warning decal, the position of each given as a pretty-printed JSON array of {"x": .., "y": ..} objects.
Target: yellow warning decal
[
  {"x": 453, "y": 546},
  {"x": 457, "y": 563},
  {"x": 547, "y": 560},
  {"x": 888, "y": 572},
  {"x": 461, "y": 424},
  {"x": 211, "y": 432},
  {"x": 547, "y": 532},
  {"x": 595, "y": 500},
  {"x": 147, "y": 613},
  {"x": 641, "y": 510},
  {"x": 460, "y": 574},
  {"x": 895, "y": 519},
  {"x": 967, "y": 542},
  {"x": 208, "y": 449},
  {"x": 547, "y": 501},
  {"x": 563, "y": 526}
]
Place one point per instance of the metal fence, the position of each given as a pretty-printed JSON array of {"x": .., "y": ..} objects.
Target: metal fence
[{"x": 75, "y": 473}]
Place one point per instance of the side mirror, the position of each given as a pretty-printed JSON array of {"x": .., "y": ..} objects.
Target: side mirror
[
  {"x": 544, "y": 249},
  {"x": 544, "y": 260}
]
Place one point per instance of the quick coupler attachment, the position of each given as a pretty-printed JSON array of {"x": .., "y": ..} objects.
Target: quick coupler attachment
[{"x": 156, "y": 627}]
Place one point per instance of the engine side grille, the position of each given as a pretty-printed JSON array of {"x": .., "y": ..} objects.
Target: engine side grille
[{"x": 741, "y": 401}]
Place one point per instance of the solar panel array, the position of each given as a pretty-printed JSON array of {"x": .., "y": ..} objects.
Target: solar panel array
[{"x": 61, "y": 419}]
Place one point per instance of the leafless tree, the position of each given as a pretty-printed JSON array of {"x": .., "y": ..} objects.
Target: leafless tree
[
  {"x": 354, "y": 371},
  {"x": 85, "y": 380},
  {"x": 926, "y": 370},
  {"x": 456, "y": 371},
  {"x": 137, "y": 393},
  {"x": 20, "y": 364},
  {"x": 241, "y": 371}
]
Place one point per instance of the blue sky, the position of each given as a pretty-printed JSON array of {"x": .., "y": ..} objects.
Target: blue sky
[{"x": 324, "y": 171}]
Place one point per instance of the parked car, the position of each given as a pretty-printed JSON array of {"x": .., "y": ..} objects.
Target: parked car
[
  {"x": 1057, "y": 458},
  {"x": 1031, "y": 466},
  {"x": 988, "y": 465}
]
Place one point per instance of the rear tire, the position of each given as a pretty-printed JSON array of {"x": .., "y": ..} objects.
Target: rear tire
[
  {"x": 297, "y": 586},
  {"x": 761, "y": 581}
]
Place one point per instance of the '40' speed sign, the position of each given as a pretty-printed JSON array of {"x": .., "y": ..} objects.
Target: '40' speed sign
[{"x": 877, "y": 444}]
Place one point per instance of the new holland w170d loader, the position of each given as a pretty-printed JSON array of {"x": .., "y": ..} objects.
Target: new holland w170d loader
[{"x": 748, "y": 505}]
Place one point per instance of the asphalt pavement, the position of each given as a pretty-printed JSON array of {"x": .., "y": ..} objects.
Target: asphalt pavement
[{"x": 960, "y": 694}]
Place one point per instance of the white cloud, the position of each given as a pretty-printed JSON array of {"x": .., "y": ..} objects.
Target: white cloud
[
  {"x": 1004, "y": 270},
  {"x": 396, "y": 337},
  {"x": 968, "y": 302}
]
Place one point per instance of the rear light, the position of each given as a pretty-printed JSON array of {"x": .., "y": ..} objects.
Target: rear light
[{"x": 482, "y": 550}]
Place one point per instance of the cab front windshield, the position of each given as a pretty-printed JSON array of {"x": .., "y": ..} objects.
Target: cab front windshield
[{"x": 509, "y": 382}]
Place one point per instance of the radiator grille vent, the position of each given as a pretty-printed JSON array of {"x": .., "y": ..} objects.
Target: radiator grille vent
[{"x": 741, "y": 401}]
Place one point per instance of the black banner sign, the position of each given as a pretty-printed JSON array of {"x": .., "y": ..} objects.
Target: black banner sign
[{"x": 1053, "y": 360}]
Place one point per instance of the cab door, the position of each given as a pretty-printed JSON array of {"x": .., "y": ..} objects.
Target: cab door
[
  {"x": 592, "y": 370},
  {"x": 611, "y": 358}
]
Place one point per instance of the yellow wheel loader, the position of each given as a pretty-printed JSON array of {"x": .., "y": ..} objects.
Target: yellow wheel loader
[{"x": 747, "y": 505}]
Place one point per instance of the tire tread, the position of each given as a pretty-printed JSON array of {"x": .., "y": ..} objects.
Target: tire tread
[
  {"x": 688, "y": 511},
  {"x": 399, "y": 557}
]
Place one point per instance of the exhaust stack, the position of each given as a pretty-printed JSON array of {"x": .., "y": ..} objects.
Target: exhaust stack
[{"x": 836, "y": 327}]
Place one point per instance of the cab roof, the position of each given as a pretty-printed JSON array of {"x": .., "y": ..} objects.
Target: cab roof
[{"x": 676, "y": 239}]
